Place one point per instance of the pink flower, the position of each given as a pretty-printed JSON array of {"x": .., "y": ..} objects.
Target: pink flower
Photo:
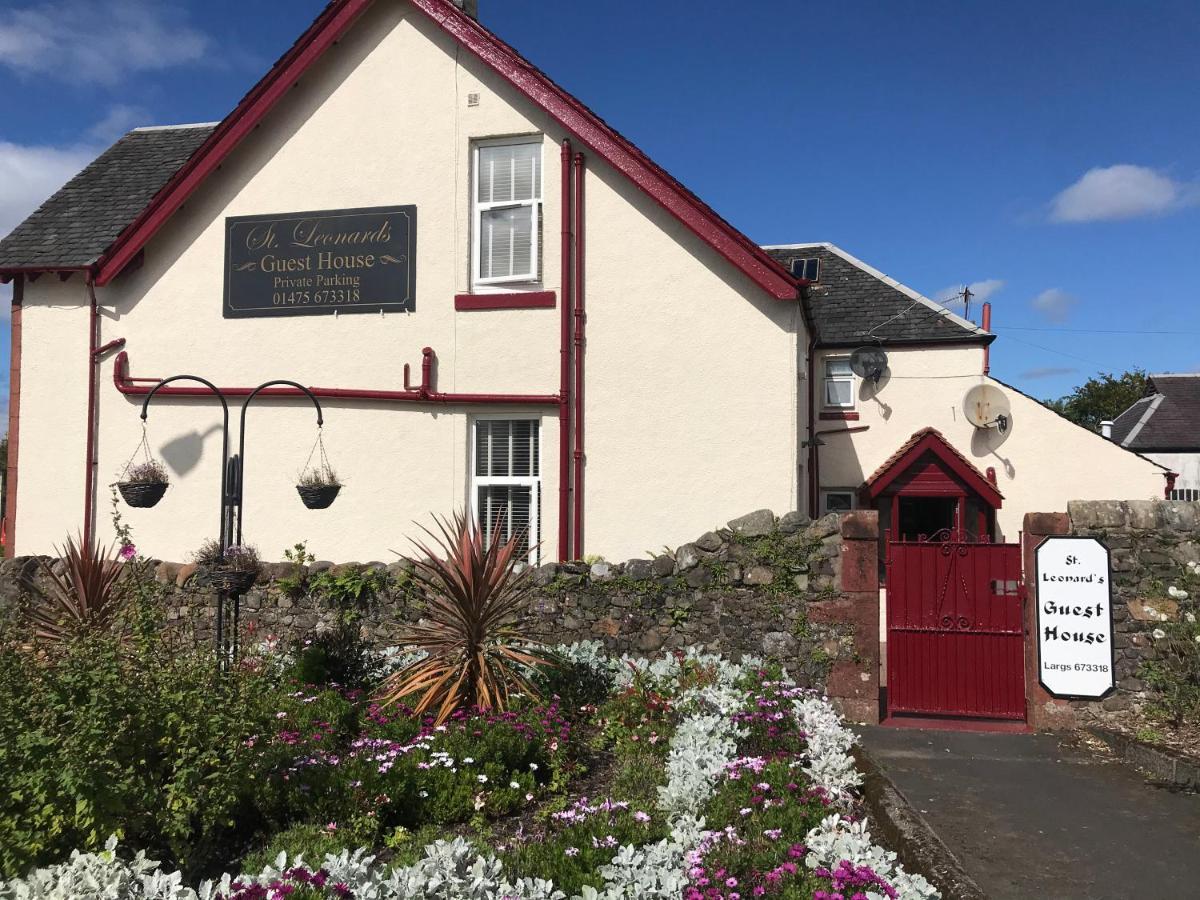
[{"x": 128, "y": 552}]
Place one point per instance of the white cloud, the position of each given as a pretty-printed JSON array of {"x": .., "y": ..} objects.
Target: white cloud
[
  {"x": 29, "y": 174},
  {"x": 980, "y": 291},
  {"x": 99, "y": 41},
  {"x": 1048, "y": 372},
  {"x": 1121, "y": 192},
  {"x": 1055, "y": 304},
  {"x": 119, "y": 120}
]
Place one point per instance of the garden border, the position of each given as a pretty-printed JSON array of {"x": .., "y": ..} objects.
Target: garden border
[
  {"x": 902, "y": 829},
  {"x": 1160, "y": 765}
]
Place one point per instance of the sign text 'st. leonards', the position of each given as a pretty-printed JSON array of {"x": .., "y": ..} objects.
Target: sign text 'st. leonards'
[
  {"x": 1074, "y": 614},
  {"x": 350, "y": 260}
]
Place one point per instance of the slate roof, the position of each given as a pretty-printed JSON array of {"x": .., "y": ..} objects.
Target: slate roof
[
  {"x": 74, "y": 227},
  {"x": 1167, "y": 418},
  {"x": 851, "y": 300}
]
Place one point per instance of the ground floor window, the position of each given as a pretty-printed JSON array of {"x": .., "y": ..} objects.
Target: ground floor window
[
  {"x": 837, "y": 500},
  {"x": 506, "y": 480},
  {"x": 1189, "y": 494}
]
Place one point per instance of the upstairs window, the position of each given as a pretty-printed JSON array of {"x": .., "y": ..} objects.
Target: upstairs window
[
  {"x": 839, "y": 383},
  {"x": 506, "y": 202},
  {"x": 506, "y": 480},
  {"x": 806, "y": 268}
]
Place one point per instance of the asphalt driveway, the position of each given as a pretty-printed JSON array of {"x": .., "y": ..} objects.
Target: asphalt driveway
[{"x": 1036, "y": 816}]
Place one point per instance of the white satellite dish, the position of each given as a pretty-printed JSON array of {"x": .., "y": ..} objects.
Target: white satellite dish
[
  {"x": 869, "y": 362},
  {"x": 986, "y": 407}
]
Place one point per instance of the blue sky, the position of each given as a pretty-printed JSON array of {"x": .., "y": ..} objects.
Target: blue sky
[{"x": 1047, "y": 153}]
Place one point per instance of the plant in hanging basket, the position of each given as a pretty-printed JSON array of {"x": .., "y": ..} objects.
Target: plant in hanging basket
[
  {"x": 318, "y": 487},
  {"x": 144, "y": 484},
  {"x": 233, "y": 571}
]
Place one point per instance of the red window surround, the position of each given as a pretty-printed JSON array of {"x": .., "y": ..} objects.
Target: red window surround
[
  {"x": 840, "y": 415},
  {"x": 515, "y": 300}
]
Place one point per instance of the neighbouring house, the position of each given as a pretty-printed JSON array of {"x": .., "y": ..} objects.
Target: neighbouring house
[
  {"x": 1165, "y": 427},
  {"x": 500, "y": 303}
]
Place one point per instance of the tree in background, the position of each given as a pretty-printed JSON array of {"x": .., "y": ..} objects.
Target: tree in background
[{"x": 1101, "y": 398}]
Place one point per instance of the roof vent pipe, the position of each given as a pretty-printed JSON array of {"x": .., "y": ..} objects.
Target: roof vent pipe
[
  {"x": 1106, "y": 429},
  {"x": 470, "y": 7}
]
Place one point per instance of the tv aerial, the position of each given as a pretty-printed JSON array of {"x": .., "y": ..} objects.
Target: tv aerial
[
  {"x": 986, "y": 407},
  {"x": 869, "y": 362}
]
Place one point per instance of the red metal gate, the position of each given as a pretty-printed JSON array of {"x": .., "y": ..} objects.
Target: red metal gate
[{"x": 955, "y": 635}]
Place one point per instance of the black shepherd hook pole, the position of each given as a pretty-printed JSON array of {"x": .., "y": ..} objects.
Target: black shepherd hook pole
[
  {"x": 223, "y": 531},
  {"x": 241, "y": 454},
  {"x": 232, "y": 491}
]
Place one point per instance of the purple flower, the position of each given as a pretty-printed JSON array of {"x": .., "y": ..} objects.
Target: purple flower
[{"x": 128, "y": 552}]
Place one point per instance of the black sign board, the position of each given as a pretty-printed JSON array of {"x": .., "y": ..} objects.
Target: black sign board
[{"x": 312, "y": 263}]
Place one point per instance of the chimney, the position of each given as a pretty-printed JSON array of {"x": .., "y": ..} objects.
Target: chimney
[
  {"x": 1106, "y": 429},
  {"x": 470, "y": 7}
]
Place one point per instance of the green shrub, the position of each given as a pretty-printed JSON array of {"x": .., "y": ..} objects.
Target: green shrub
[
  {"x": 142, "y": 738},
  {"x": 576, "y": 684}
]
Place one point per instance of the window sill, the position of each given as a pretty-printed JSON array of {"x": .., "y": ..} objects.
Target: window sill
[
  {"x": 513, "y": 300},
  {"x": 839, "y": 415}
]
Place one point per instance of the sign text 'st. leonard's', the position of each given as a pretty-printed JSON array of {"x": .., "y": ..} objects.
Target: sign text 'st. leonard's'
[
  {"x": 1074, "y": 616},
  {"x": 308, "y": 263}
]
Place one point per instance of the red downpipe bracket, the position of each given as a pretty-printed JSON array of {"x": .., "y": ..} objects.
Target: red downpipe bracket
[
  {"x": 14, "y": 419},
  {"x": 564, "y": 390},
  {"x": 423, "y": 393},
  {"x": 579, "y": 458}
]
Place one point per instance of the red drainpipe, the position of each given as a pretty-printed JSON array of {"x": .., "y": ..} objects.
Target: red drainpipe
[
  {"x": 580, "y": 321},
  {"x": 14, "y": 420},
  {"x": 1170, "y": 476},
  {"x": 89, "y": 475},
  {"x": 987, "y": 326},
  {"x": 564, "y": 389},
  {"x": 425, "y": 392}
]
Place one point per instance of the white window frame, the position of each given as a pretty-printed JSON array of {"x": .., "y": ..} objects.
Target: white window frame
[
  {"x": 533, "y": 482},
  {"x": 806, "y": 262},
  {"x": 826, "y": 493},
  {"x": 847, "y": 378},
  {"x": 533, "y": 278},
  {"x": 1188, "y": 495}
]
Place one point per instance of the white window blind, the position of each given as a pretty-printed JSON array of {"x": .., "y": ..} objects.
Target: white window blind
[
  {"x": 839, "y": 383},
  {"x": 506, "y": 480},
  {"x": 507, "y": 197}
]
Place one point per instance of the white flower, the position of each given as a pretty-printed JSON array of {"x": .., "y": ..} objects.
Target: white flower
[
  {"x": 482, "y": 779},
  {"x": 1158, "y": 634},
  {"x": 514, "y": 784}
]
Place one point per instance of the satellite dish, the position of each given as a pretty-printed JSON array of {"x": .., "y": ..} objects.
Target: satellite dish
[
  {"x": 869, "y": 362},
  {"x": 986, "y": 407}
]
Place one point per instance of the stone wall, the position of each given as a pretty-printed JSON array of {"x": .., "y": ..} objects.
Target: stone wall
[
  {"x": 1151, "y": 543},
  {"x": 802, "y": 592}
]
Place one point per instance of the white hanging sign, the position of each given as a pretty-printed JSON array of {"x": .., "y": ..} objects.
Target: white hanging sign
[{"x": 1076, "y": 658}]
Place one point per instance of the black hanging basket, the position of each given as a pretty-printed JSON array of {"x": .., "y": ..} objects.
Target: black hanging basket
[
  {"x": 228, "y": 581},
  {"x": 142, "y": 494},
  {"x": 318, "y": 496}
]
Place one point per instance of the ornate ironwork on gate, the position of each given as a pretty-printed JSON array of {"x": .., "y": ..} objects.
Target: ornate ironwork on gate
[{"x": 955, "y": 628}]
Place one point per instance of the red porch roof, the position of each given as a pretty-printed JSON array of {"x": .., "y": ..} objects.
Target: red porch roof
[{"x": 930, "y": 440}]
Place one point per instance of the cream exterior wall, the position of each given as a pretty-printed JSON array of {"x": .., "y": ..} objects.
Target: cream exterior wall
[
  {"x": 1043, "y": 462},
  {"x": 1185, "y": 465},
  {"x": 690, "y": 368}
]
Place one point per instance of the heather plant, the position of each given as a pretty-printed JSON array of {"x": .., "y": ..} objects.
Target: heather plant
[{"x": 150, "y": 471}]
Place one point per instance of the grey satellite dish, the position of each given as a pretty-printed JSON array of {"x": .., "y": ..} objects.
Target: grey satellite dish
[
  {"x": 869, "y": 362},
  {"x": 986, "y": 406}
]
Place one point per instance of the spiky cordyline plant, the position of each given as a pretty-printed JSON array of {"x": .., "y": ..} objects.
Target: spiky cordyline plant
[
  {"x": 477, "y": 652},
  {"x": 89, "y": 594}
]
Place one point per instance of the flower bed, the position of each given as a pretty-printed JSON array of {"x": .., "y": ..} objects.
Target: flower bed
[{"x": 723, "y": 780}]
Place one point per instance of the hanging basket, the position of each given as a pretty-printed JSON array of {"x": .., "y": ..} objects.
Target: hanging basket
[
  {"x": 142, "y": 494},
  {"x": 318, "y": 496},
  {"x": 228, "y": 581}
]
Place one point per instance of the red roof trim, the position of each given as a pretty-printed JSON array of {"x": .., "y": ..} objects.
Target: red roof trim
[
  {"x": 932, "y": 440},
  {"x": 323, "y": 33},
  {"x": 581, "y": 122}
]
